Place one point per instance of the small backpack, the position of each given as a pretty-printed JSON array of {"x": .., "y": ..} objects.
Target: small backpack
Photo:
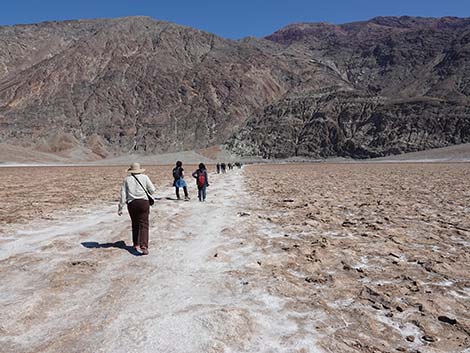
[
  {"x": 201, "y": 179},
  {"x": 176, "y": 173}
]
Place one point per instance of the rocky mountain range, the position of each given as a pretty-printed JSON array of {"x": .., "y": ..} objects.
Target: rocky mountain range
[{"x": 364, "y": 89}]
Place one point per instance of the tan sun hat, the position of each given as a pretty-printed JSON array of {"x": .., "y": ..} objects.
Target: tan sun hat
[{"x": 135, "y": 169}]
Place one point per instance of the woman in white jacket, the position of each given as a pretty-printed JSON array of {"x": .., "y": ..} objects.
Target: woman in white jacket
[{"x": 134, "y": 193}]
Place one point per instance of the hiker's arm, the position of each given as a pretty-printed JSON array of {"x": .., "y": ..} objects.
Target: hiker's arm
[
  {"x": 194, "y": 174},
  {"x": 123, "y": 198},
  {"x": 150, "y": 187},
  {"x": 207, "y": 178}
]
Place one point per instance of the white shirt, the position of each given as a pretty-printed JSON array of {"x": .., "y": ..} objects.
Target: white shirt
[{"x": 131, "y": 190}]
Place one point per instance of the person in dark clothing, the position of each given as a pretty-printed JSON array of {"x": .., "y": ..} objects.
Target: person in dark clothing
[
  {"x": 222, "y": 167},
  {"x": 178, "y": 176},
  {"x": 202, "y": 181},
  {"x": 218, "y": 168}
]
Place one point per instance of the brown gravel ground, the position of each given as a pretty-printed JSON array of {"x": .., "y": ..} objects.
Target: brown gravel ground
[
  {"x": 37, "y": 192},
  {"x": 381, "y": 250}
]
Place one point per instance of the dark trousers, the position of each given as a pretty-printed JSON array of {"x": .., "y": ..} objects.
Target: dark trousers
[
  {"x": 139, "y": 212},
  {"x": 201, "y": 193},
  {"x": 185, "y": 189}
]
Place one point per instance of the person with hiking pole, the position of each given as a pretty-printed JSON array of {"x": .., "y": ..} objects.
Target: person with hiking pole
[
  {"x": 178, "y": 176},
  {"x": 135, "y": 192},
  {"x": 202, "y": 181}
]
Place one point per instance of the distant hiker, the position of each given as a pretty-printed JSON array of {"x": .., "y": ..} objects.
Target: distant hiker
[
  {"x": 135, "y": 192},
  {"x": 230, "y": 166},
  {"x": 222, "y": 167},
  {"x": 202, "y": 181},
  {"x": 218, "y": 168},
  {"x": 178, "y": 176}
]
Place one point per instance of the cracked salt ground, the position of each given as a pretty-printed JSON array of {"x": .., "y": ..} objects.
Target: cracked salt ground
[{"x": 60, "y": 296}]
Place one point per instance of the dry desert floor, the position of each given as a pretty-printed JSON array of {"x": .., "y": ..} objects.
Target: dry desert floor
[{"x": 281, "y": 258}]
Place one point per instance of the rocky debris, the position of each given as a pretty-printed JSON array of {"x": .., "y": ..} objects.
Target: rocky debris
[
  {"x": 447, "y": 320},
  {"x": 428, "y": 338},
  {"x": 319, "y": 279},
  {"x": 243, "y": 214},
  {"x": 83, "y": 263}
]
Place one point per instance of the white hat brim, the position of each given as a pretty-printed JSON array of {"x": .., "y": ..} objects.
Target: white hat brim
[{"x": 135, "y": 171}]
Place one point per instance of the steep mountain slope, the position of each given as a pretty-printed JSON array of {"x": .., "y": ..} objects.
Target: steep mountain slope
[
  {"x": 372, "y": 88},
  {"x": 141, "y": 84},
  {"x": 351, "y": 124},
  {"x": 410, "y": 80},
  {"x": 23, "y": 46},
  {"x": 386, "y": 55}
]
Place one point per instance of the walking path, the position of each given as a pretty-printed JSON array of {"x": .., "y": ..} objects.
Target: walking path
[{"x": 74, "y": 287}]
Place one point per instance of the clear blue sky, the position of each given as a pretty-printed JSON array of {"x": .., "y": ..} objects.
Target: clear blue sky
[{"x": 229, "y": 18}]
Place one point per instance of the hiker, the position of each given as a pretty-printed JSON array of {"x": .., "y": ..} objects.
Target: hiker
[
  {"x": 178, "y": 176},
  {"x": 222, "y": 167},
  {"x": 218, "y": 168},
  {"x": 135, "y": 192},
  {"x": 230, "y": 166},
  {"x": 202, "y": 181}
]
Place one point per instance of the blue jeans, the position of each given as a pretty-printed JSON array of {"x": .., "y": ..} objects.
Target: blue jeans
[{"x": 201, "y": 193}]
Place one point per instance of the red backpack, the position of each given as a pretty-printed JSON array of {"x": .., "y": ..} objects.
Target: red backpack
[{"x": 201, "y": 179}]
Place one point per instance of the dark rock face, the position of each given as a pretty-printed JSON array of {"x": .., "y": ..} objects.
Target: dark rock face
[
  {"x": 138, "y": 84},
  {"x": 350, "y": 125},
  {"x": 364, "y": 89},
  {"x": 407, "y": 79}
]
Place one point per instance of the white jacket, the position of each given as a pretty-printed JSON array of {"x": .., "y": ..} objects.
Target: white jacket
[{"x": 131, "y": 190}]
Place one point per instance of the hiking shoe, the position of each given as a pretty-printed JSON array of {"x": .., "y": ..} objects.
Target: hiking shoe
[
  {"x": 186, "y": 198},
  {"x": 145, "y": 252}
]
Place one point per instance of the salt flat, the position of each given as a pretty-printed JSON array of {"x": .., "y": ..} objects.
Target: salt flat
[
  {"x": 292, "y": 258},
  {"x": 70, "y": 284}
]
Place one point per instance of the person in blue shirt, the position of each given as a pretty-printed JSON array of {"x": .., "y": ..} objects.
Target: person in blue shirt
[{"x": 178, "y": 176}]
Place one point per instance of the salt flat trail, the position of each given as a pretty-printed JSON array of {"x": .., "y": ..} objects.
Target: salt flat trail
[{"x": 71, "y": 286}]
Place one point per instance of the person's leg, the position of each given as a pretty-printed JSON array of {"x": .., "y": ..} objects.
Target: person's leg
[
  {"x": 177, "y": 192},
  {"x": 131, "y": 207},
  {"x": 144, "y": 209},
  {"x": 185, "y": 189},
  {"x": 204, "y": 193},
  {"x": 199, "y": 193}
]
